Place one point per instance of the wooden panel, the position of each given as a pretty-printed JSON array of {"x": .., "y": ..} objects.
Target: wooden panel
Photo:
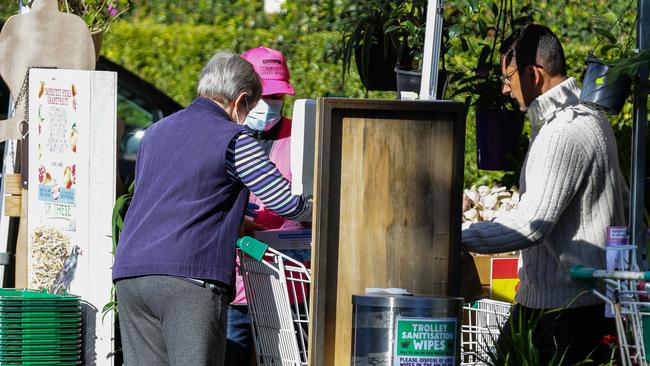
[
  {"x": 12, "y": 206},
  {"x": 388, "y": 189},
  {"x": 12, "y": 184},
  {"x": 21, "y": 244}
]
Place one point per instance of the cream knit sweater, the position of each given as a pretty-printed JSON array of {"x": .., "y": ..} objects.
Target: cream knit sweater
[{"x": 572, "y": 190}]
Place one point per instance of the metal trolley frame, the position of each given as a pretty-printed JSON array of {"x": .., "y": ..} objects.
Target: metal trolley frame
[
  {"x": 483, "y": 321},
  {"x": 627, "y": 295},
  {"x": 277, "y": 292}
]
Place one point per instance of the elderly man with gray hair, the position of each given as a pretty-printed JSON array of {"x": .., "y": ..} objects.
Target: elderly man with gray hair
[{"x": 174, "y": 266}]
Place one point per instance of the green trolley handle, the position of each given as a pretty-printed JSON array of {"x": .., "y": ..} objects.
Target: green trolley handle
[
  {"x": 588, "y": 276},
  {"x": 253, "y": 247}
]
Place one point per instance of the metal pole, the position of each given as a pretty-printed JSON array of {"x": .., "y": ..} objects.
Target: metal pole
[
  {"x": 637, "y": 182},
  {"x": 431, "y": 52},
  {"x": 8, "y": 225}
]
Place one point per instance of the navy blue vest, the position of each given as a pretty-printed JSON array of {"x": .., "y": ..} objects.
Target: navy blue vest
[{"x": 185, "y": 214}]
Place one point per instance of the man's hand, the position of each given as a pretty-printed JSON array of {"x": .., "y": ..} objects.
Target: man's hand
[{"x": 248, "y": 228}]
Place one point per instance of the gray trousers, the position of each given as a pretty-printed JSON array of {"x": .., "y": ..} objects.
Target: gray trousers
[{"x": 167, "y": 321}]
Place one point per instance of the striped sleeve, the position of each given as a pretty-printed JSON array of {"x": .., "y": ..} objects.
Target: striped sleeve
[{"x": 247, "y": 162}]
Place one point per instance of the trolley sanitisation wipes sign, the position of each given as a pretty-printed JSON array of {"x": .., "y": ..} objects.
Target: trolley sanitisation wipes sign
[{"x": 425, "y": 342}]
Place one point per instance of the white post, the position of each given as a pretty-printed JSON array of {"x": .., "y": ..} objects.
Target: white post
[
  {"x": 72, "y": 190},
  {"x": 431, "y": 53},
  {"x": 273, "y": 6}
]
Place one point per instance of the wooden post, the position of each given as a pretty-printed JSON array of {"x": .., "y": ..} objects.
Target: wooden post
[
  {"x": 389, "y": 178},
  {"x": 12, "y": 196},
  {"x": 21, "y": 244}
]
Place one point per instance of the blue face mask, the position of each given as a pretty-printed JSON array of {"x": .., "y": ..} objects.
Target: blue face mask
[{"x": 264, "y": 115}]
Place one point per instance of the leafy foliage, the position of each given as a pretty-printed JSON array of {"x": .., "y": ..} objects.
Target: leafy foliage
[
  {"x": 166, "y": 42},
  {"x": 117, "y": 221},
  {"x": 408, "y": 21},
  {"x": 98, "y": 14},
  {"x": 171, "y": 56},
  {"x": 492, "y": 21},
  {"x": 364, "y": 26}
]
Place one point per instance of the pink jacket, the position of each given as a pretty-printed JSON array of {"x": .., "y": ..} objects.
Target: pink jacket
[{"x": 280, "y": 155}]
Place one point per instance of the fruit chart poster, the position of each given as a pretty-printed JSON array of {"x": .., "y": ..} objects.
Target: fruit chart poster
[{"x": 58, "y": 144}]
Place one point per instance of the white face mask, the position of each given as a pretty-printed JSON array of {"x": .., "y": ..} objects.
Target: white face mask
[{"x": 265, "y": 114}]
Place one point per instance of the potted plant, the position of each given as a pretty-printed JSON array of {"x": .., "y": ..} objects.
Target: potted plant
[
  {"x": 499, "y": 123},
  {"x": 601, "y": 89},
  {"x": 364, "y": 37},
  {"x": 407, "y": 22},
  {"x": 98, "y": 15}
]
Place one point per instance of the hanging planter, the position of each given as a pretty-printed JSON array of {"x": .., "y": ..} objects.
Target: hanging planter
[
  {"x": 364, "y": 37},
  {"x": 601, "y": 93},
  {"x": 497, "y": 134},
  {"x": 377, "y": 72}
]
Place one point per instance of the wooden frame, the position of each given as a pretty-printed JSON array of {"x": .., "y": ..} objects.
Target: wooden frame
[{"x": 377, "y": 221}]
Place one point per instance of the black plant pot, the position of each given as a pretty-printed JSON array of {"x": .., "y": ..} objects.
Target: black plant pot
[
  {"x": 599, "y": 93},
  {"x": 410, "y": 81},
  {"x": 497, "y": 139},
  {"x": 407, "y": 81}
]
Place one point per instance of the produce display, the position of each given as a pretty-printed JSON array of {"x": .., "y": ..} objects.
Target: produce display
[
  {"x": 49, "y": 249},
  {"x": 485, "y": 203}
]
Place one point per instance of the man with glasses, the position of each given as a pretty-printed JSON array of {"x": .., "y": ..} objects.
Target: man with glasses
[{"x": 571, "y": 190}]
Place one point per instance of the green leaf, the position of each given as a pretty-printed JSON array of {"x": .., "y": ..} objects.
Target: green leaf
[
  {"x": 463, "y": 44},
  {"x": 482, "y": 26},
  {"x": 599, "y": 19},
  {"x": 608, "y": 47},
  {"x": 455, "y": 30},
  {"x": 392, "y": 28},
  {"x": 482, "y": 59},
  {"x": 606, "y": 34},
  {"x": 495, "y": 9},
  {"x": 610, "y": 16},
  {"x": 474, "y": 5}
]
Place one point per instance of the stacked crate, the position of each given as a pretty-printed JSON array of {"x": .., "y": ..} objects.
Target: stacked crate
[{"x": 37, "y": 328}]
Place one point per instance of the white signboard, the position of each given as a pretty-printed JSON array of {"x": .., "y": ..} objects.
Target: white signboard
[
  {"x": 72, "y": 118},
  {"x": 303, "y": 140}
]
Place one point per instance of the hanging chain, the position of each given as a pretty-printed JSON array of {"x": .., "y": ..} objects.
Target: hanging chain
[
  {"x": 22, "y": 94},
  {"x": 23, "y": 126}
]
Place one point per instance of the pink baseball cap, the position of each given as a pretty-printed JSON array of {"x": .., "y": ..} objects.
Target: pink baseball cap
[{"x": 272, "y": 68}]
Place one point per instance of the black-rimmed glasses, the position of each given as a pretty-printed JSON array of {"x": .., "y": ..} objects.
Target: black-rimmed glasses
[{"x": 505, "y": 79}]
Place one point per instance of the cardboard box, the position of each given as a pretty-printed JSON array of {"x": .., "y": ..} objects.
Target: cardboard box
[
  {"x": 286, "y": 239},
  {"x": 505, "y": 285}
]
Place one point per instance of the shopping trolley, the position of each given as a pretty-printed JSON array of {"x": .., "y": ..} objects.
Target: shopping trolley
[
  {"x": 277, "y": 292},
  {"x": 483, "y": 321},
  {"x": 627, "y": 295}
]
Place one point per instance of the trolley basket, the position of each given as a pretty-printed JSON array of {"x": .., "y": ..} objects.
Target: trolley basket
[{"x": 277, "y": 292}]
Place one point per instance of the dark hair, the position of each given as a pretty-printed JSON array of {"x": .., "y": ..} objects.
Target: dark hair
[
  {"x": 507, "y": 46},
  {"x": 535, "y": 44}
]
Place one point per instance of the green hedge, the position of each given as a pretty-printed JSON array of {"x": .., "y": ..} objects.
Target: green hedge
[{"x": 171, "y": 56}]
